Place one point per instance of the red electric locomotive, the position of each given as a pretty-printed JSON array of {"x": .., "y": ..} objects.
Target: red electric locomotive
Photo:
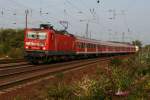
[{"x": 46, "y": 44}]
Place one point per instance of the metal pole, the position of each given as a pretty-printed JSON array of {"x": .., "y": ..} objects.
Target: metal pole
[
  {"x": 26, "y": 21},
  {"x": 123, "y": 37},
  {"x": 87, "y": 30}
]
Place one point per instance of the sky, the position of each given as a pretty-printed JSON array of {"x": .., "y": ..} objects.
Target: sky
[{"x": 113, "y": 20}]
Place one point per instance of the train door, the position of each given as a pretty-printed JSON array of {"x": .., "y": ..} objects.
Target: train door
[
  {"x": 85, "y": 47},
  {"x": 96, "y": 48}
]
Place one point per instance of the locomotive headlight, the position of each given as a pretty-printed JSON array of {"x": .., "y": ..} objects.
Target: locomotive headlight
[
  {"x": 26, "y": 47},
  {"x": 44, "y": 48}
]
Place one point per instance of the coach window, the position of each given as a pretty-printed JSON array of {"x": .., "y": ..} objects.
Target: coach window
[
  {"x": 94, "y": 46},
  {"x": 78, "y": 44},
  {"x": 99, "y": 47},
  {"x": 88, "y": 45},
  {"x": 81, "y": 45},
  {"x": 104, "y": 47}
]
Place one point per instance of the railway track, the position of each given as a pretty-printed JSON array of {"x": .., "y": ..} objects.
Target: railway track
[
  {"x": 6, "y": 61},
  {"x": 18, "y": 75}
]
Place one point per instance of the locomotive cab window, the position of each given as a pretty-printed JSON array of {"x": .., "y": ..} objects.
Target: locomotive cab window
[
  {"x": 37, "y": 35},
  {"x": 42, "y": 35},
  {"x": 31, "y": 35}
]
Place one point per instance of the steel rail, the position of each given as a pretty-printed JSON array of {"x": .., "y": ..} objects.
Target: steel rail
[{"x": 5, "y": 61}]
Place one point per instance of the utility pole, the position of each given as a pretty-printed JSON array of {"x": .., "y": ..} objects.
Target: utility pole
[
  {"x": 123, "y": 37},
  {"x": 87, "y": 30},
  {"x": 2, "y": 14},
  {"x": 26, "y": 19}
]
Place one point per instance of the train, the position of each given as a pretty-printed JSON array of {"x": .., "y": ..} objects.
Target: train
[{"x": 46, "y": 44}]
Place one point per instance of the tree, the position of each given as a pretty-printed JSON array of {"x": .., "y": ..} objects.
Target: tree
[
  {"x": 11, "y": 42},
  {"x": 137, "y": 43}
]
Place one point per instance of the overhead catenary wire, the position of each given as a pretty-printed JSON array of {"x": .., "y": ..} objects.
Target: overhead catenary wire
[
  {"x": 24, "y": 6},
  {"x": 33, "y": 10}
]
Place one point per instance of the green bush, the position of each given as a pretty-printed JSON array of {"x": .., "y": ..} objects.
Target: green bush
[
  {"x": 11, "y": 43},
  {"x": 16, "y": 53},
  {"x": 60, "y": 91},
  {"x": 120, "y": 76},
  {"x": 115, "y": 62}
]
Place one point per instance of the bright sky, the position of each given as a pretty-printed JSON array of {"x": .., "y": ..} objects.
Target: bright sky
[{"x": 107, "y": 20}]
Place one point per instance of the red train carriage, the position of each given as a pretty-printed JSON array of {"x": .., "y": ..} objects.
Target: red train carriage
[
  {"x": 86, "y": 46},
  {"x": 45, "y": 44}
]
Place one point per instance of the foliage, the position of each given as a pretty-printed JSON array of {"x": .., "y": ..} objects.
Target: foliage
[
  {"x": 130, "y": 75},
  {"x": 11, "y": 43},
  {"x": 60, "y": 91},
  {"x": 60, "y": 75},
  {"x": 86, "y": 89},
  {"x": 139, "y": 66},
  {"x": 115, "y": 62},
  {"x": 138, "y": 92},
  {"x": 137, "y": 43},
  {"x": 90, "y": 89},
  {"x": 121, "y": 78}
]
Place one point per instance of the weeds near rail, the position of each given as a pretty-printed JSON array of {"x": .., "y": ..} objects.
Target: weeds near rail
[
  {"x": 17, "y": 98},
  {"x": 59, "y": 92},
  {"x": 127, "y": 78},
  {"x": 60, "y": 75}
]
